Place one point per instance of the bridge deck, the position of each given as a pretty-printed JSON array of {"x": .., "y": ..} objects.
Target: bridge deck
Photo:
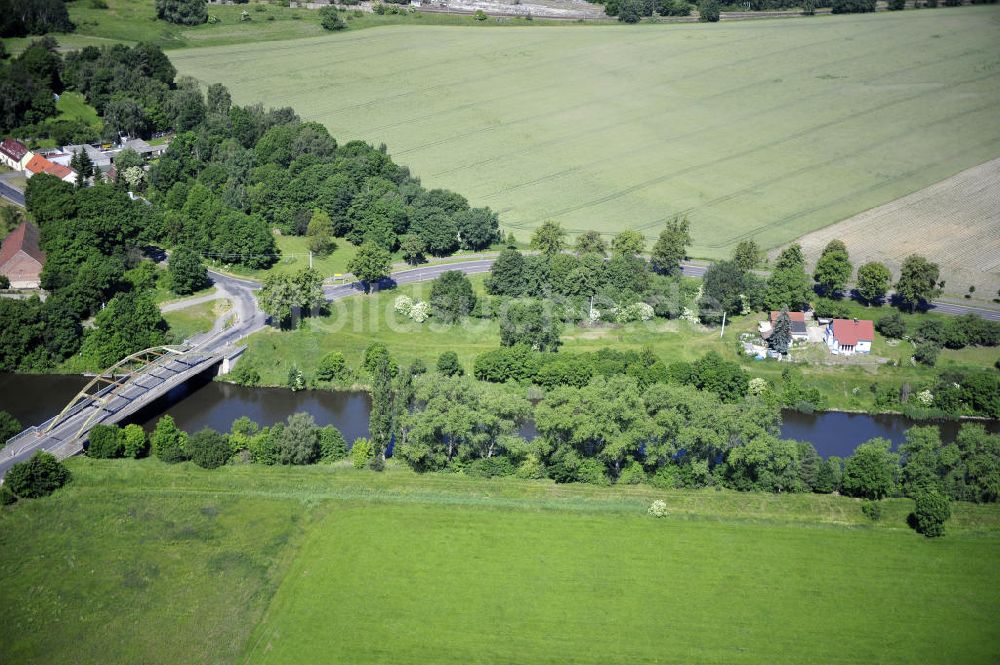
[{"x": 108, "y": 406}]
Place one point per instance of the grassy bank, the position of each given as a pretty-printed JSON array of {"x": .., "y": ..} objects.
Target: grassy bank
[
  {"x": 144, "y": 562},
  {"x": 196, "y": 319}
]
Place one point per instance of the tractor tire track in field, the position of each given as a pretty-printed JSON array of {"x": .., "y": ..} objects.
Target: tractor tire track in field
[
  {"x": 663, "y": 178},
  {"x": 600, "y": 100},
  {"x": 749, "y": 151},
  {"x": 574, "y": 136}
]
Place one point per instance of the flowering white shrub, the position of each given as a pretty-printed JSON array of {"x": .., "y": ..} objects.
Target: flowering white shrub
[
  {"x": 757, "y": 386},
  {"x": 403, "y": 305},
  {"x": 658, "y": 509},
  {"x": 637, "y": 311},
  {"x": 925, "y": 397},
  {"x": 420, "y": 311},
  {"x": 595, "y": 315}
]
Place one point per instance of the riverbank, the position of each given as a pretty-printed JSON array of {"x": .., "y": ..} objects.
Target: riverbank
[{"x": 233, "y": 565}]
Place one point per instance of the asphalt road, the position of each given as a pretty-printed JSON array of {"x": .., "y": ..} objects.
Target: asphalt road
[{"x": 13, "y": 195}]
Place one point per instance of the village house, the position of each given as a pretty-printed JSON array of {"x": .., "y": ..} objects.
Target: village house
[
  {"x": 145, "y": 150},
  {"x": 850, "y": 336},
  {"x": 798, "y": 321},
  {"x": 21, "y": 258},
  {"x": 14, "y": 154},
  {"x": 39, "y": 164}
]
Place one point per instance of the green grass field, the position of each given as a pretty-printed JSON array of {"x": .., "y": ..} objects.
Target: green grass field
[
  {"x": 73, "y": 106},
  {"x": 144, "y": 562},
  {"x": 762, "y": 129},
  {"x": 190, "y": 321}
]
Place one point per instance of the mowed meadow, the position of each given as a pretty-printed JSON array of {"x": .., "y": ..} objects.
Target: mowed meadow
[
  {"x": 763, "y": 129},
  {"x": 143, "y": 562}
]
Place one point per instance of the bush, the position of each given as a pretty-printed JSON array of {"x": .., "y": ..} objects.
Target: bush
[
  {"x": 7, "y": 497},
  {"x": 208, "y": 449},
  {"x": 330, "y": 20},
  {"x": 852, "y": 6},
  {"x": 896, "y": 5},
  {"x": 9, "y": 427},
  {"x": 926, "y": 353},
  {"x": 40, "y": 476},
  {"x": 708, "y": 11},
  {"x": 892, "y": 326},
  {"x": 4, "y": 282},
  {"x": 658, "y": 508},
  {"x": 362, "y": 452},
  {"x": 168, "y": 442},
  {"x": 134, "y": 440},
  {"x": 332, "y": 446},
  {"x": 245, "y": 374},
  {"x": 490, "y": 467},
  {"x": 448, "y": 364},
  {"x": 105, "y": 442},
  {"x": 296, "y": 379},
  {"x": 826, "y": 308},
  {"x": 331, "y": 366},
  {"x": 931, "y": 512},
  {"x": 872, "y": 509},
  {"x": 480, "y": 15}
]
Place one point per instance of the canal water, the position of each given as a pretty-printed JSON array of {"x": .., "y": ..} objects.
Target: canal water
[{"x": 34, "y": 398}]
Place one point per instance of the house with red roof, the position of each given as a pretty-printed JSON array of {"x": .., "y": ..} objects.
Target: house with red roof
[
  {"x": 21, "y": 257},
  {"x": 39, "y": 164},
  {"x": 14, "y": 154},
  {"x": 850, "y": 336}
]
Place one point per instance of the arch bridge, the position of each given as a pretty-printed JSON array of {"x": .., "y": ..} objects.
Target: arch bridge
[{"x": 110, "y": 397}]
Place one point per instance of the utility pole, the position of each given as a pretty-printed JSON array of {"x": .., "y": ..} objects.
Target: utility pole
[
  {"x": 723, "y": 324},
  {"x": 310, "y": 259}
]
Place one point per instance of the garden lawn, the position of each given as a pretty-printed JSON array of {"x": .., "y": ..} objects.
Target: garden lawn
[
  {"x": 147, "y": 562},
  {"x": 73, "y": 106},
  {"x": 754, "y": 129}
]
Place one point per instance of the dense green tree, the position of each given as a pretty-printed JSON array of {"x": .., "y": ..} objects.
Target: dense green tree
[
  {"x": 331, "y": 367},
  {"x": 332, "y": 446},
  {"x": 531, "y": 323},
  {"x": 722, "y": 291},
  {"x": 870, "y": 472},
  {"x": 130, "y": 322},
  {"x": 917, "y": 283},
  {"x": 852, "y": 6},
  {"x": 134, "y": 440},
  {"x": 208, "y": 449},
  {"x": 479, "y": 228},
  {"x": 330, "y": 19},
  {"x": 320, "y": 234},
  {"x": 788, "y": 287},
  {"x": 448, "y": 364},
  {"x": 370, "y": 265},
  {"x": 765, "y": 463},
  {"x": 628, "y": 243},
  {"x": 298, "y": 442},
  {"x": 781, "y": 333},
  {"x": 724, "y": 378},
  {"x": 452, "y": 297},
  {"x": 590, "y": 242},
  {"x": 105, "y": 442},
  {"x": 873, "y": 282},
  {"x": 709, "y": 11},
  {"x": 183, "y": 12},
  {"x": 891, "y": 325},
  {"x": 829, "y": 475},
  {"x": 84, "y": 167},
  {"x": 277, "y": 297},
  {"x": 671, "y": 247},
  {"x": 439, "y": 233},
  {"x": 380, "y": 419},
  {"x": 931, "y": 511},
  {"x": 374, "y": 354},
  {"x": 549, "y": 238},
  {"x": 833, "y": 269},
  {"x": 746, "y": 255},
  {"x": 187, "y": 272},
  {"x": 507, "y": 274},
  {"x": 924, "y": 461},
  {"x": 40, "y": 476},
  {"x": 629, "y": 11},
  {"x": 168, "y": 442},
  {"x": 457, "y": 418},
  {"x": 19, "y": 18},
  {"x": 412, "y": 248},
  {"x": 48, "y": 199}
]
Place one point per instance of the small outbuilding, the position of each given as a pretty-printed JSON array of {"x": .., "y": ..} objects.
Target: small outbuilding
[
  {"x": 21, "y": 257},
  {"x": 850, "y": 336},
  {"x": 798, "y": 321}
]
